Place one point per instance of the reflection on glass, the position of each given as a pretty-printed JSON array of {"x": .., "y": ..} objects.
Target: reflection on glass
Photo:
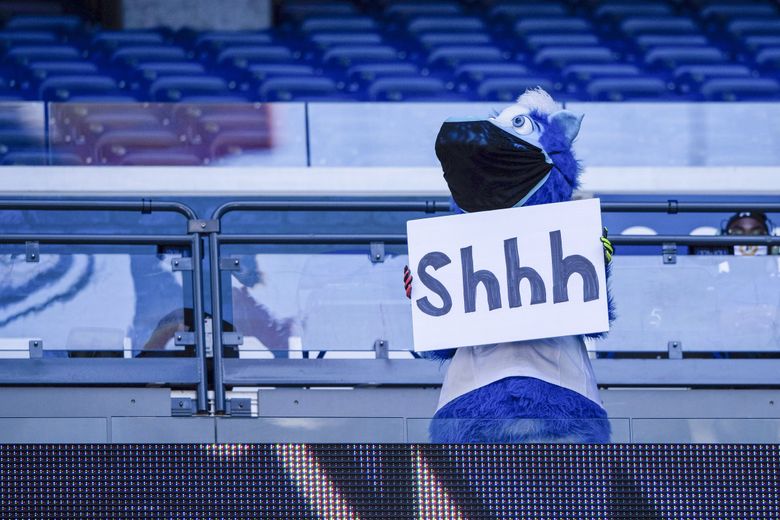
[
  {"x": 178, "y": 134},
  {"x": 86, "y": 305},
  {"x": 326, "y": 302},
  {"x": 22, "y": 134}
]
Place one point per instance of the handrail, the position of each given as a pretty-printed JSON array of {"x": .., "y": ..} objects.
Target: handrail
[{"x": 18, "y": 372}]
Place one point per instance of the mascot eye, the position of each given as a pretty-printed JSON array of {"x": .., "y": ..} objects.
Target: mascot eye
[{"x": 523, "y": 125}]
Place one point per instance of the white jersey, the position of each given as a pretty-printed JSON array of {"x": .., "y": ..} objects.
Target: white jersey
[{"x": 561, "y": 361}]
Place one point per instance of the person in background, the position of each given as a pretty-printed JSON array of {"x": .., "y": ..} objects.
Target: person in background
[{"x": 743, "y": 223}]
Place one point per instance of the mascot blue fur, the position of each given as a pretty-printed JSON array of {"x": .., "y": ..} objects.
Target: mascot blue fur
[{"x": 530, "y": 391}]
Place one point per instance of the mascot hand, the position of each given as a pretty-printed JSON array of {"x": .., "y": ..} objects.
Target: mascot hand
[
  {"x": 609, "y": 249},
  {"x": 408, "y": 282}
]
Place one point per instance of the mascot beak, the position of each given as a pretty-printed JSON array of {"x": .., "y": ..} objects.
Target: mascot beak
[{"x": 568, "y": 124}]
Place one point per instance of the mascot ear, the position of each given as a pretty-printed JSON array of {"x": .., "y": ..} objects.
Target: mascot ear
[{"x": 568, "y": 123}]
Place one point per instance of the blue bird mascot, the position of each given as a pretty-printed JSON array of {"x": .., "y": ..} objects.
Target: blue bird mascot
[{"x": 541, "y": 390}]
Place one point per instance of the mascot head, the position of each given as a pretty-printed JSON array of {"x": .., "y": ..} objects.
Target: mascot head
[{"x": 519, "y": 157}]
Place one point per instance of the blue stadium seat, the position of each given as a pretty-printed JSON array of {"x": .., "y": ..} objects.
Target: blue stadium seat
[
  {"x": 671, "y": 57},
  {"x": 768, "y": 60},
  {"x": 136, "y": 54},
  {"x": 149, "y": 72},
  {"x": 477, "y": 72},
  {"x": 263, "y": 71},
  {"x": 513, "y": 11},
  {"x": 242, "y": 56},
  {"x": 305, "y": 9},
  {"x": 621, "y": 10},
  {"x": 724, "y": 11},
  {"x": 327, "y": 40},
  {"x": 585, "y": 72},
  {"x": 28, "y": 53},
  {"x": 406, "y": 10},
  {"x": 538, "y": 41},
  {"x": 41, "y": 158},
  {"x": 345, "y": 56},
  {"x": 177, "y": 88},
  {"x": 342, "y": 24},
  {"x": 41, "y": 70},
  {"x": 757, "y": 43},
  {"x": 423, "y": 24},
  {"x": 452, "y": 56},
  {"x": 12, "y": 38},
  {"x": 290, "y": 88},
  {"x": 647, "y": 41},
  {"x": 659, "y": 25},
  {"x": 688, "y": 78},
  {"x": 59, "y": 23},
  {"x": 214, "y": 41},
  {"x": 742, "y": 27},
  {"x": 552, "y": 24},
  {"x": 739, "y": 89},
  {"x": 407, "y": 88},
  {"x": 559, "y": 57},
  {"x": 110, "y": 40},
  {"x": 368, "y": 72},
  {"x": 64, "y": 88},
  {"x": 622, "y": 89},
  {"x": 230, "y": 143},
  {"x": 96, "y": 124},
  {"x": 508, "y": 89},
  {"x": 437, "y": 39},
  {"x": 17, "y": 138}
]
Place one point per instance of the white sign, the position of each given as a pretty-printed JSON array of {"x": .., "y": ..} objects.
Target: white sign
[{"x": 507, "y": 275}]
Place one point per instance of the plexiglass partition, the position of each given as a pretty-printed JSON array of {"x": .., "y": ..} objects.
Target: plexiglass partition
[
  {"x": 126, "y": 303},
  {"x": 366, "y": 134}
]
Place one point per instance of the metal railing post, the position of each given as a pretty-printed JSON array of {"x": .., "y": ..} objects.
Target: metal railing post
[
  {"x": 216, "y": 323},
  {"x": 198, "y": 318}
]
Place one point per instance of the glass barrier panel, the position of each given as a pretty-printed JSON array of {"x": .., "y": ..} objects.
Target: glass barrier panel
[
  {"x": 678, "y": 134},
  {"x": 178, "y": 134},
  {"x": 706, "y": 303},
  {"x": 22, "y": 134},
  {"x": 706, "y": 431},
  {"x": 319, "y": 305},
  {"x": 92, "y": 304}
]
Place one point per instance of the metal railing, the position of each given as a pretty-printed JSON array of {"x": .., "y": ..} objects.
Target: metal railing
[{"x": 382, "y": 371}]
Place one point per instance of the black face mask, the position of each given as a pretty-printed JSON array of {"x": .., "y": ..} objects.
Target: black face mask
[{"x": 486, "y": 167}]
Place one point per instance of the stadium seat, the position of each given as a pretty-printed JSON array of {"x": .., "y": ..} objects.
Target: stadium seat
[
  {"x": 110, "y": 40},
  {"x": 290, "y": 88},
  {"x": 28, "y": 54},
  {"x": 406, "y": 88},
  {"x": 757, "y": 43},
  {"x": 647, "y": 41},
  {"x": 151, "y": 71},
  {"x": 424, "y": 24},
  {"x": 559, "y": 57},
  {"x": 177, "y": 88},
  {"x": 15, "y": 38},
  {"x": 64, "y": 88},
  {"x": 41, "y": 158},
  {"x": 305, "y": 9},
  {"x": 513, "y": 11},
  {"x": 621, "y": 10},
  {"x": 44, "y": 69},
  {"x": 539, "y": 41},
  {"x": 237, "y": 142},
  {"x": 342, "y": 24},
  {"x": 477, "y": 72},
  {"x": 753, "y": 27},
  {"x": 551, "y": 24},
  {"x": 215, "y": 41},
  {"x": 134, "y": 55},
  {"x": 454, "y": 55},
  {"x": 636, "y": 26},
  {"x": 586, "y": 72},
  {"x": 243, "y": 56},
  {"x": 368, "y": 72},
  {"x": 729, "y": 10},
  {"x": 671, "y": 57},
  {"x": 263, "y": 71},
  {"x": 621, "y": 89},
  {"x": 60, "y": 23},
  {"x": 436, "y": 39},
  {"x": 345, "y": 56},
  {"x": 769, "y": 60},
  {"x": 739, "y": 89},
  {"x": 507, "y": 89},
  {"x": 689, "y": 77},
  {"x": 328, "y": 39},
  {"x": 406, "y": 10}
]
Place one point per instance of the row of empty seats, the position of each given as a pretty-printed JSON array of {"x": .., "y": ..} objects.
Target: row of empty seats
[{"x": 411, "y": 51}]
